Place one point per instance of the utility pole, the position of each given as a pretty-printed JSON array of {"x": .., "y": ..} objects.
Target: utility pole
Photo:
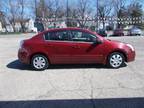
[
  {"x": 67, "y": 9},
  {"x": 97, "y": 14},
  {"x": 43, "y": 9},
  {"x": 36, "y": 8}
]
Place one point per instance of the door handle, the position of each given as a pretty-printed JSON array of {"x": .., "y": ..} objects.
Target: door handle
[
  {"x": 49, "y": 45},
  {"x": 77, "y": 47}
]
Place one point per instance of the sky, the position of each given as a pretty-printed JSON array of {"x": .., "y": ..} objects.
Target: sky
[{"x": 29, "y": 10}]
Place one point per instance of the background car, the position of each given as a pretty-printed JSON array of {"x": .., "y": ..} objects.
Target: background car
[
  {"x": 118, "y": 32},
  {"x": 73, "y": 46},
  {"x": 135, "y": 32}
]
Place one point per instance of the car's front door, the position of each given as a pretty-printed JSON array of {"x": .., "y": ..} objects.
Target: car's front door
[{"x": 84, "y": 49}]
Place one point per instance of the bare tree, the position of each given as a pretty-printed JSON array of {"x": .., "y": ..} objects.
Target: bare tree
[
  {"x": 3, "y": 21},
  {"x": 2, "y": 16},
  {"x": 72, "y": 16},
  {"x": 58, "y": 9},
  {"x": 0, "y": 5},
  {"x": 33, "y": 7},
  {"x": 104, "y": 10},
  {"x": 84, "y": 11},
  {"x": 135, "y": 11},
  {"x": 118, "y": 5},
  {"x": 16, "y": 13},
  {"x": 12, "y": 13},
  {"x": 22, "y": 6},
  {"x": 44, "y": 8}
]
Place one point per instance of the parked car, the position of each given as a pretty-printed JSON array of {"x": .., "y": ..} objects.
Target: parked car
[
  {"x": 73, "y": 46},
  {"x": 102, "y": 32},
  {"x": 135, "y": 32},
  {"x": 118, "y": 32}
]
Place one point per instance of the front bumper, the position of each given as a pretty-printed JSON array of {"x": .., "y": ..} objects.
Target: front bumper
[{"x": 131, "y": 56}]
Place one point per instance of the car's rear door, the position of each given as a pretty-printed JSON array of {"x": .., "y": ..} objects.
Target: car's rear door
[{"x": 58, "y": 46}]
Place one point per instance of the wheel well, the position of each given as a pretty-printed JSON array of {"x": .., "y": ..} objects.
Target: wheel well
[
  {"x": 124, "y": 54},
  {"x": 40, "y": 54}
]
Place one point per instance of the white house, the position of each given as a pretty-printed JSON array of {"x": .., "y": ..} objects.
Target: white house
[
  {"x": 1, "y": 27},
  {"x": 30, "y": 26}
]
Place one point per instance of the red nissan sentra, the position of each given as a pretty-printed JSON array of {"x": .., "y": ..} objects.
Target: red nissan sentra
[{"x": 73, "y": 46}]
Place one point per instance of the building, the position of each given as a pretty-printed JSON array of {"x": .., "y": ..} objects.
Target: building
[{"x": 28, "y": 25}]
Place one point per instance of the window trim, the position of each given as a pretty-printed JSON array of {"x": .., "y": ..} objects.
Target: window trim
[
  {"x": 69, "y": 41},
  {"x": 65, "y": 41}
]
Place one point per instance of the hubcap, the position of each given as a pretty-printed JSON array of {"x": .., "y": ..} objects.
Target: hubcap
[
  {"x": 116, "y": 60},
  {"x": 39, "y": 62}
]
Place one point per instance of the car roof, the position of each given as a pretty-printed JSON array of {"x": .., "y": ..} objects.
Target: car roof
[{"x": 69, "y": 28}]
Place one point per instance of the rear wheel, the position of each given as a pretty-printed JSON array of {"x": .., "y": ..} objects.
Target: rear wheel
[
  {"x": 39, "y": 62},
  {"x": 116, "y": 60}
]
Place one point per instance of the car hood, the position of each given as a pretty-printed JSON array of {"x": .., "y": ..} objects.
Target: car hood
[{"x": 116, "y": 42}]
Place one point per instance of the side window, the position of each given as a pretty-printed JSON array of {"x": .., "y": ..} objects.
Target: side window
[
  {"x": 49, "y": 36},
  {"x": 82, "y": 36},
  {"x": 60, "y": 36},
  {"x": 76, "y": 36},
  {"x": 89, "y": 37}
]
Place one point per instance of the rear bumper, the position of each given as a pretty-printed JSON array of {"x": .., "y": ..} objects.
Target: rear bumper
[{"x": 23, "y": 56}]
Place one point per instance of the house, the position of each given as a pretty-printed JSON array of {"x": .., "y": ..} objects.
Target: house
[
  {"x": 1, "y": 19},
  {"x": 1, "y": 29},
  {"x": 30, "y": 26}
]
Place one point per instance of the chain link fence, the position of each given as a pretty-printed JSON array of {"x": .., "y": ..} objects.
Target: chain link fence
[
  {"x": 95, "y": 24},
  {"x": 88, "y": 23}
]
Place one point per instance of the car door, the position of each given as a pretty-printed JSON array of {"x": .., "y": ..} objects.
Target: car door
[
  {"x": 58, "y": 47},
  {"x": 84, "y": 49}
]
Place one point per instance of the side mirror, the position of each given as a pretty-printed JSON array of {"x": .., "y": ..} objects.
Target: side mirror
[{"x": 97, "y": 41}]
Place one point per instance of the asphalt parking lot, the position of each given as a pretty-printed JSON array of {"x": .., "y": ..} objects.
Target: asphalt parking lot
[{"x": 19, "y": 82}]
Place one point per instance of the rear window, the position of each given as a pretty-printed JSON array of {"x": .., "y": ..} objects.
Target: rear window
[{"x": 60, "y": 35}]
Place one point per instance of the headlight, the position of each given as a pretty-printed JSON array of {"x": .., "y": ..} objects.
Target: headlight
[{"x": 132, "y": 48}]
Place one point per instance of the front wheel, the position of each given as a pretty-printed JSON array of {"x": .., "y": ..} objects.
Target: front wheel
[
  {"x": 116, "y": 60},
  {"x": 39, "y": 62}
]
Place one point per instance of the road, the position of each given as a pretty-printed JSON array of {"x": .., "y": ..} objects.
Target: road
[{"x": 20, "y": 82}]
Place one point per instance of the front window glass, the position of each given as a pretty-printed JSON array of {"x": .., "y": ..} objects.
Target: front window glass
[{"x": 82, "y": 36}]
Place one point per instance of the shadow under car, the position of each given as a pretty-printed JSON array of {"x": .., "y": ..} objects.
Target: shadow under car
[
  {"x": 16, "y": 64},
  {"x": 77, "y": 103}
]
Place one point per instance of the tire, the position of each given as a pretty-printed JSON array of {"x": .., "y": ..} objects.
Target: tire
[
  {"x": 39, "y": 62},
  {"x": 115, "y": 60}
]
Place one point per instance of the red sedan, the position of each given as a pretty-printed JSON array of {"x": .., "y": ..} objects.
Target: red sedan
[
  {"x": 118, "y": 32},
  {"x": 73, "y": 46}
]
